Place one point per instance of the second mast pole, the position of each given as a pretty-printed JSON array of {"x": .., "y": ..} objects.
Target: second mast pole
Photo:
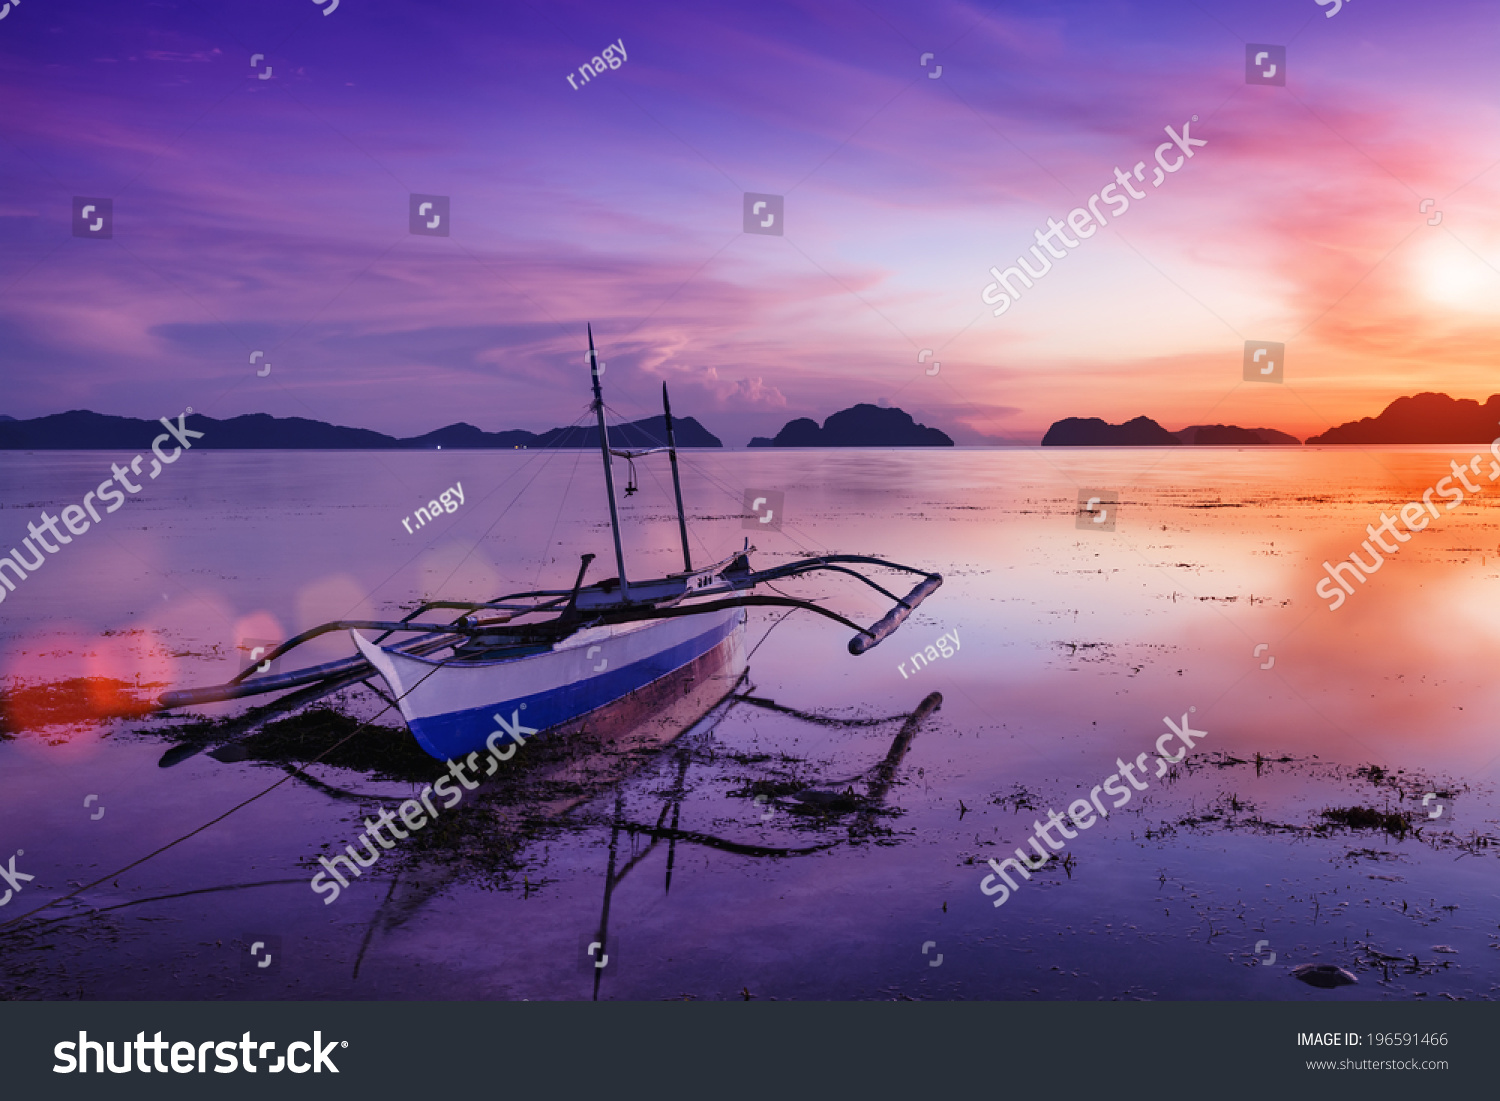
[{"x": 609, "y": 477}]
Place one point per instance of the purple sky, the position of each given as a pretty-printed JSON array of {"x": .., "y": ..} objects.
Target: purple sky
[{"x": 272, "y": 214}]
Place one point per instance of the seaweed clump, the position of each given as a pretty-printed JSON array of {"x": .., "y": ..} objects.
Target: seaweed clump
[{"x": 1368, "y": 818}]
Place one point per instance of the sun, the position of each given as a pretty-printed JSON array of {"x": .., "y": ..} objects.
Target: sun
[{"x": 1452, "y": 275}]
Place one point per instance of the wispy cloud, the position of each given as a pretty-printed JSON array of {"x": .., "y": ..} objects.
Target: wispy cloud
[{"x": 272, "y": 214}]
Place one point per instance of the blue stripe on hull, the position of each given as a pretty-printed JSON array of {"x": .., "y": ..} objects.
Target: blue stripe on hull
[{"x": 459, "y": 733}]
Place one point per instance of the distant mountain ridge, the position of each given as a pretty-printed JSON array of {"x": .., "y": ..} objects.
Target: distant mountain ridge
[
  {"x": 1145, "y": 432},
  {"x": 861, "y": 425},
  {"x": 1422, "y": 418},
  {"x": 1425, "y": 418},
  {"x": 82, "y": 430},
  {"x": 1232, "y": 435}
]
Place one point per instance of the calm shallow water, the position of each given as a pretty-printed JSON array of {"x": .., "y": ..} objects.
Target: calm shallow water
[{"x": 1073, "y": 646}]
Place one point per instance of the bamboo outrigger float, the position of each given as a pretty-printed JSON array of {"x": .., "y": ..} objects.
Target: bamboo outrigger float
[{"x": 528, "y": 662}]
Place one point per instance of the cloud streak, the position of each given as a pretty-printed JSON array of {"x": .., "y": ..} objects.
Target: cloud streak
[{"x": 271, "y": 214}]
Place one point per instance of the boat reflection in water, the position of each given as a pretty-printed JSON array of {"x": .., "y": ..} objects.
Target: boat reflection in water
[
  {"x": 606, "y": 675},
  {"x": 657, "y": 748}
]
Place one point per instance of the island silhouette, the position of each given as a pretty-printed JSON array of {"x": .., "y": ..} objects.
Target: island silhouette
[
  {"x": 860, "y": 425},
  {"x": 1422, "y": 418},
  {"x": 1426, "y": 418},
  {"x": 81, "y": 430},
  {"x": 1145, "y": 432}
]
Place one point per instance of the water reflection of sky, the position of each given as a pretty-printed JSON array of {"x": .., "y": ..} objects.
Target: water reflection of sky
[{"x": 1073, "y": 646}]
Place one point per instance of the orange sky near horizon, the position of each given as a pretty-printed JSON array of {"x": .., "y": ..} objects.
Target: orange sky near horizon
[{"x": 273, "y": 216}]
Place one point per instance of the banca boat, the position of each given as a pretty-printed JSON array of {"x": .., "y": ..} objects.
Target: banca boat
[{"x": 528, "y": 662}]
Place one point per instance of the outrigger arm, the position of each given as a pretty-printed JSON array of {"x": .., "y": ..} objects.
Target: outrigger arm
[
  {"x": 486, "y": 632},
  {"x": 730, "y": 578}
]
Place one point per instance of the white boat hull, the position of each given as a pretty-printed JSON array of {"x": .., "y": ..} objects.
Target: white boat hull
[{"x": 453, "y": 708}]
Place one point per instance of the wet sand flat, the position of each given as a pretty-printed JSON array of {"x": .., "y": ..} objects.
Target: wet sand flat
[{"x": 763, "y": 853}]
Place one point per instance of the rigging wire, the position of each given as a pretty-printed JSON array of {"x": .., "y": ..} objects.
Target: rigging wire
[
  {"x": 708, "y": 554},
  {"x": 545, "y": 461},
  {"x": 657, "y": 479},
  {"x": 709, "y": 477},
  {"x": 561, "y": 504},
  {"x": 546, "y": 455},
  {"x": 214, "y": 821},
  {"x": 728, "y": 491},
  {"x": 785, "y": 616},
  {"x": 538, "y": 455}
]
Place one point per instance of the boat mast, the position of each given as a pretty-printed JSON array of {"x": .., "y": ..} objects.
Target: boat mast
[
  {"x": 666, "y": 404},
  {"x": 609, "y": 478}
]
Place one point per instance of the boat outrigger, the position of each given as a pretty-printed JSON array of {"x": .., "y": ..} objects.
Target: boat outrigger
[{"x": 529, "y": 662}]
